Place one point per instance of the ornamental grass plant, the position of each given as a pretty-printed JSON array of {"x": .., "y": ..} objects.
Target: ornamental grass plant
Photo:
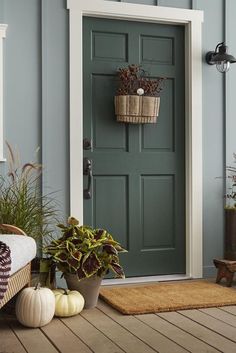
[{"x": 21, "y": 201}]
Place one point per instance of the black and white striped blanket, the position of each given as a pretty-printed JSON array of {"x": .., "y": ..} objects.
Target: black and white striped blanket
[{"x": 5, "y": 268}]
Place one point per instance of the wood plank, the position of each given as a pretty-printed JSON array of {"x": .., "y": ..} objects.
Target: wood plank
[
  {"x": 205, "y": 334},
  {"x": 212, "y": 323},
  {"x": 8, "y": 340},
  {"x": 32, "y": 339},
  {"x": 90, "y": 335},
  {"x": 123, "y": 338},
  {"x": 95, "y": 331},
  {"x": 230, "y": 309},
  {"x": 221, "y": 315},
  {"x": 63, "y": 338},
  {"x": 153, "y": 338},
  {"x": 184, "y": 339}
]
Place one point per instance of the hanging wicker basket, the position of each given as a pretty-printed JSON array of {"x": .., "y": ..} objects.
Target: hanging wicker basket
[{"x": 137, "y": 109}]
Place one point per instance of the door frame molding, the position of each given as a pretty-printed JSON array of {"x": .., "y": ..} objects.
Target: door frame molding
[{"x": 192, "y": 21}]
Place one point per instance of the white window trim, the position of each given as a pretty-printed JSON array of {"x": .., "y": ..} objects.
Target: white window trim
[
  {"x": 3, "y": 29},
  {"x": 192, "y": 20}
]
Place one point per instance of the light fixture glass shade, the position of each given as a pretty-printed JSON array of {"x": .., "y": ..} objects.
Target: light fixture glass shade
[{"x": 223, "y": 66}]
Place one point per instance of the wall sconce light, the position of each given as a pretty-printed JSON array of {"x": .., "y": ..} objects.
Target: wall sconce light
[{"x": 220, "y": 58}]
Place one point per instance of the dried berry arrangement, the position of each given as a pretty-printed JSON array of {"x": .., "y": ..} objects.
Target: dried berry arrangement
[{"x": 132, "y": 80}]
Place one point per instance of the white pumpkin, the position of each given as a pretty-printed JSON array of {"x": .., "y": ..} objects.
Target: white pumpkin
[
  {"x": 68, "y": 302},
  {"x": 35, "y": 306}
]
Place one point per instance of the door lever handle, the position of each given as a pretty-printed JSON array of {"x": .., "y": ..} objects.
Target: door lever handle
[{"x": 87, "y": 170}]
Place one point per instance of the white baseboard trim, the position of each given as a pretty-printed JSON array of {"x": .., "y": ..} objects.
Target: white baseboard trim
[{"x": 148, "y": 279}]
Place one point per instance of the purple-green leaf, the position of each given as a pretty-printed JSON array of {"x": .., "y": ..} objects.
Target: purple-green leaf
[
  {"x": 117, "y": 269},
  {"x": 76, "y": 241},
  {"x": 61, "y": 256},
  {"x": 77, "y": 255},
  {"x": 91, "y": 264},
  {"x": 110, "y": 249},
  {"x": 73, "y": 262},
  {"x": 98, "y": 234},
  {"x": 81, "y": 273}
]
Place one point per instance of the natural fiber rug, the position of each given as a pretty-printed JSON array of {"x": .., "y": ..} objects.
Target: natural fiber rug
[{"x": 162, "y": 297}]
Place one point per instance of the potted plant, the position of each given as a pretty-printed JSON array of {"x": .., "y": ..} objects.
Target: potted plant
[
  {"x": 22, "y": 203},
  {"x": 137, "y": 98},
  {"x": 230, "y": 214},
  {"x": 85, "y": 255}
]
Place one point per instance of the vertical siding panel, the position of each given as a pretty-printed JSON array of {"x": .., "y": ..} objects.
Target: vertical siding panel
[
  {"x": 186, "y": 4},
  {"x": 2, "y": 21},
  {"x": 2, "y": 11},
  {"x": 213, "y": 127},
  {"x": 194, "y": 5},
  {"x": 55, "y": 101},
  {"x": 23, "y": 76},
  {"x": 230, "y": 102}
]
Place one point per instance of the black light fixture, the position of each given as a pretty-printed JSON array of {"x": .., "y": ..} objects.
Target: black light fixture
[{"x": 220, "y": 58}]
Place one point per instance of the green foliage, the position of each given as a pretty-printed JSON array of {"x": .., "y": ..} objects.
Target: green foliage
[
  {"x": 231, "y": 186},
  {"x": 85, "y": 251},
  {"x": 21, "y": 201}
]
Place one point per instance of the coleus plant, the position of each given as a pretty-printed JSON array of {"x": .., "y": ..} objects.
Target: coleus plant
[{"x": 85, "y": 251}]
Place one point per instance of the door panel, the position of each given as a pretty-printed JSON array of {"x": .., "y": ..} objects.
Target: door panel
[
  {"x": 160, "y": 137},
  {"x": 155, "y": 214},
  {"x": 138, "y": 187},
  {"x": 107, "y": 188},
  {"x": 156, "y": 50},
  {"x": 104, "y": 137},
  {"x": 115, "y": 51}
]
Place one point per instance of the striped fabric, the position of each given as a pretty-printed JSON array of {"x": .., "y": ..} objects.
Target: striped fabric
[
  {"x": 16, "y": 282},
  {"x": 5, "y": 267}
]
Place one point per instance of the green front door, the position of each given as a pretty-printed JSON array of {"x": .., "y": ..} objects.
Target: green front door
[{"x": 138, "y": 182}]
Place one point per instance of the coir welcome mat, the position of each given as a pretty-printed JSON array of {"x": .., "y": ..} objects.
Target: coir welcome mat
[{"x": 162, "y": 297}]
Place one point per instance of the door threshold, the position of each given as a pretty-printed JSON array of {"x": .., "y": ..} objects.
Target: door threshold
[{"x": 147, "y": 279}]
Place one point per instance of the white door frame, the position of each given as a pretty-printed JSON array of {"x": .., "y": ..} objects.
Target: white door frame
[{"x": 192, "y": 20}]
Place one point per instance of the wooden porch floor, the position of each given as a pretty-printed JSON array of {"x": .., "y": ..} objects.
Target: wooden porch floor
[{"x": 104, "y": 330}]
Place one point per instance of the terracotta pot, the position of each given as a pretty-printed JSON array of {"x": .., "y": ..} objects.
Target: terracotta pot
[
  {"x": 230, "y": 235},
  {"x": 88, "y": 287}
]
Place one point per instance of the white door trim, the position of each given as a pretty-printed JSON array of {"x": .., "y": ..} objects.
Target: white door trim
[{"x": 192, "y": 20}]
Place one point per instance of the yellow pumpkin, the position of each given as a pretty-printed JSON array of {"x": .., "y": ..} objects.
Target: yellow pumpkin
[
  {"x": 35, "y": 306},
  {"x": 68, "y": 302}
]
